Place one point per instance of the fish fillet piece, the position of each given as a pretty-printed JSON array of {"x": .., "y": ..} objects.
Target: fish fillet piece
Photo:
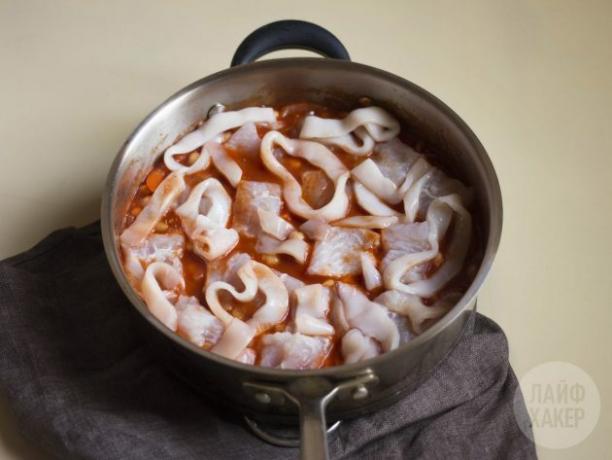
[
  {"x": 338, "y": 253},
  {"x": 245, "y": 140},
  {"x": 196, "y": 323},
  {"x": 356, "y": 346},
  {"x": 160, "y": 247},
  {"x": 286, "y": 350},
  {"x": 253, "y": 196},
  {"x": 372, "y": 319}
]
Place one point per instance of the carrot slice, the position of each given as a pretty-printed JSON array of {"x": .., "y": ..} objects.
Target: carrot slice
[{"x": 154, "y": 179}]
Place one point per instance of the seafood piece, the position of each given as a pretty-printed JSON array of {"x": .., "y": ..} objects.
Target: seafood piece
[
  {"x": 160, "y": 203},
  {"x": 431, "y": 185},
  {"x": 438, "y": 217},
  {"x": 248, "y": 356},
  {"x": 196, "y": 323},
  {"x": 368, "y": 124},
  {"x": 371, "y": 275},
  {"x": 315, "y": 229},
  {"x": 312, "y": 307},
  {"x": 370, "y": 202},
  {"x": 357, "y": 346},
  {"x": 368, "y": 174},
  {"x": 226, "y": 269},
  {"x": 254, "y": 277},
  {"x": 166, "y": 248},
  {"x": 338, "y": 253},
  {"x": 294, "y": 247},
  {"x": 204, "y": 216},
  {"x": 319, "y": 156},
  {"x": 394, "y": 159},
  {"x": 286, "y": 350},
  {"x": 246, "y": 140},
  {"x": 373, "y": 222},
  {"x": 274, "y": 225},
  {"x": 289, "y": 281},
  {"x": 403, "y": 239},
  {"x": 158, "y": 282},
  {"x": 215, "y": 125},
  {"x": 371, "y": 318},
  {"x": 224, "y": 163},
  {"x": 251, "y": 197},
  {"x": 413, "y": 308}
]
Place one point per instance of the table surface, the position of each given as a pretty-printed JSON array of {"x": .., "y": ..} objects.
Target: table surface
[{"x": 532, "y": 78}]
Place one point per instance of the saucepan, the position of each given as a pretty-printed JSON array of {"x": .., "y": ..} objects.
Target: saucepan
[{"x": 313, "y": 398}]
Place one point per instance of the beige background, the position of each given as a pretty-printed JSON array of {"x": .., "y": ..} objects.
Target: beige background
[{"x": 532, "y": 78}]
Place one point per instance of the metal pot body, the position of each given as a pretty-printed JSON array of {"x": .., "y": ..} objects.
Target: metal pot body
[{"x": 358, "y": 388}]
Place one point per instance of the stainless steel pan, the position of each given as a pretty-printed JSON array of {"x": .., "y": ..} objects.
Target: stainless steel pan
[{"x": 337, "y": 393}]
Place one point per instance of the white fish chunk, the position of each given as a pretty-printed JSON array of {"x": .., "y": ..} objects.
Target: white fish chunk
[
  {"x": 439, "y": 215},
  {"x": 371, "y": 318},
  {"x": 371, "y": 276},
  {"x": 274, "y": 225},
  {"x": 394, "y": 159},
  {"x": 196, "y": 323},
  {"x": 224, "y": 163},
  {"x": 251, "y": 196},
  {"x": 245, "y": 140},
  {"x": 294, "y": 247},
  {"x": 226, "y": 269},
  {"x": 166, "y": 248},
  {"x": 315, "y": 229},
  {"x": 286, "y": 350},
  {"x": 338, "y": 253},
  {"x": 402, "y": 239},
  {"x": 290, "y": 282},
  {"x": 356, "y": 346}
]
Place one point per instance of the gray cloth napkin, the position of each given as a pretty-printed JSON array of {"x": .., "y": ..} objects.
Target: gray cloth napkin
[{"x": 82, "y": 384}]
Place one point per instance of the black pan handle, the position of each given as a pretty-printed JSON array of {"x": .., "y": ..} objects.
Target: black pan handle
[{"x": 289, "y": 34}]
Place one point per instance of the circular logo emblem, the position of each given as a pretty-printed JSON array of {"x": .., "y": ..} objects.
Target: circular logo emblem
[{"x": 562, "y": 403}]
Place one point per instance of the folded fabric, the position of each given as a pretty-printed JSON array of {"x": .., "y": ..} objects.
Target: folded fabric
[{"x": 83, "y": 384}]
